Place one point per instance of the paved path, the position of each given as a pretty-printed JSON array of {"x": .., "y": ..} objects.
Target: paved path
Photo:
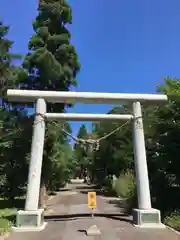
[{"x": 69, "y": 217}]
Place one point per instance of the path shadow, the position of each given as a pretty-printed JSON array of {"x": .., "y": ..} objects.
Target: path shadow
[
  {"x": 99, "y": 192},
  {"x": 118, "y": 203},
  {"x": 72, "y": 217},
  {"x": 93, "y": 187},
  {"x": 64, "y": 189},
  {"x": 121, "y": 204}
]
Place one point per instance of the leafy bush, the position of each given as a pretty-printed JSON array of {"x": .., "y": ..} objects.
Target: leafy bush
[
  {"x": 7, "y": 219},
  {"x": 125, "y": 185},
  {"x": 5, "y": 225}
]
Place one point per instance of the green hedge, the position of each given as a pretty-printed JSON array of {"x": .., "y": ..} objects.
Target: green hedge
[{"x": 125, "y": 185}]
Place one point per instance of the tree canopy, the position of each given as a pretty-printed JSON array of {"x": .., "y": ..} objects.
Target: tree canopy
[
  {"x": 161, "y": 126},
  {"x": 50, "y": 64}
]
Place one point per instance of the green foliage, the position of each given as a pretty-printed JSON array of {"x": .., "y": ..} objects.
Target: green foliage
[
  {"x": 7, "y": 217},
  {"x": 80, "y": 151},
  {"x": 171, "y": 87},
  {"x": 173, "y": 221},
  {"x": 14, "y": 141},
  {"x": 115, "y": 153},
  {"x": 52, "y": 62},
  {"x": 5, "y": 226},
  {"x": 8, "y": 72},
  {"x": 125, "y": 185},
  {"x": 162, "y": 131},
  {"x": 163, "y": 146},
  {"x": 58, "y": 159},
  {"x": 15, "y": 131},
  {"x": 52, "y": 65}
]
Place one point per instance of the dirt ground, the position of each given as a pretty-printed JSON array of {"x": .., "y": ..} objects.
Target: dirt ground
[{"x": 68, "y": 218}]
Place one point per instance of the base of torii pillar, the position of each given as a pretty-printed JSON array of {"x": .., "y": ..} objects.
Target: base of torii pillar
[
  {"x": 30, "y": 221},
  {"x": 150, "y": 218}
]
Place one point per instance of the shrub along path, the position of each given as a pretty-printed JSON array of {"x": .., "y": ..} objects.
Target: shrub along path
[{"x": 68, "y": 217}]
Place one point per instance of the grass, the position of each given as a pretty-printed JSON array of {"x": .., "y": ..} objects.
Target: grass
[
  {"x": 173, "y": 221},
  {"x": 8, "y": 213}
]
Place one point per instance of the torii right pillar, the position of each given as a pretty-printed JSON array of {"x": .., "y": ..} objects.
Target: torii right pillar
[{"x": 144, "y": 215}]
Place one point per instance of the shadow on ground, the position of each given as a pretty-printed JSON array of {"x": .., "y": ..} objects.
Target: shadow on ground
[
  {"x": 123, "y": 204},
  {"x": 99, "y": 192},
  {"x": 92, "y": 187},
  {"x": 64, "y": 189},
  {"x": 72, "y": 217}
]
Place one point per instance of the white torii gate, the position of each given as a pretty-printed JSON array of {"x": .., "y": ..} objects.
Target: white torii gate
[{"x": 31, "y": 219}]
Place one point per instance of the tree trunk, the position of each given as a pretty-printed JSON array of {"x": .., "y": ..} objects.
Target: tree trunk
[{"x": 43, "y": 196}]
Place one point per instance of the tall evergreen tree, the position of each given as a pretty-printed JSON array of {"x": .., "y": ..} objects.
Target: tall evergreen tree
[
  {"x": 52, "y": 61},
  {"x": 51, "y": 64}
]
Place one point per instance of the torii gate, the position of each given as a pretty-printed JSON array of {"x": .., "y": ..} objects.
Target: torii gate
[{"x": 32, "y": 218}]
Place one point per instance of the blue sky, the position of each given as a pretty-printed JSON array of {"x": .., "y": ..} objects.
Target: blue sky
[{"x": 123, "y": 46}]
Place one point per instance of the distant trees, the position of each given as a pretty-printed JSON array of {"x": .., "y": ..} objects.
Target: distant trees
[
  {"x": 80, "y": 152},
  {"x": 14, "y": 125}
]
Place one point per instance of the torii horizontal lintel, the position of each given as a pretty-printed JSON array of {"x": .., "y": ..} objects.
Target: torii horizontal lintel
[
  {"x": 87, "y": 117},
  {"x": 81, "y": 97}
]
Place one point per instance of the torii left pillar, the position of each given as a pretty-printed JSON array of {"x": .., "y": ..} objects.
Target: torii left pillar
[{"x": 32, "y": 218}]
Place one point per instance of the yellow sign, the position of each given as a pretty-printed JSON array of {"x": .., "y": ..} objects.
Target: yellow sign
[{"x": 91, "y": 199}]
